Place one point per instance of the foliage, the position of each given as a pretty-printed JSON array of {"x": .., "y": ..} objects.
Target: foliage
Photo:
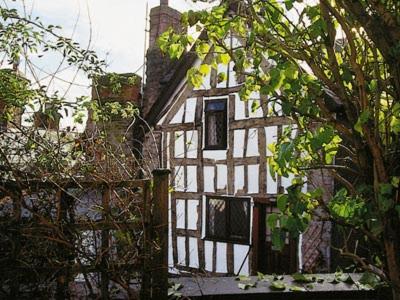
[
  {"x": 56, "y": 224},
  {"x": 331, "y": 68}
]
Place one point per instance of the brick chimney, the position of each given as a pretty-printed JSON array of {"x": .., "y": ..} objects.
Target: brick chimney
[
  {"x": 162, "y": 17},
  {"x": 119, "y": 130}
]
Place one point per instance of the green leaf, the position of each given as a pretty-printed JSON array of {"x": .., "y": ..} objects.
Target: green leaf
[
  {"x": 295, "y": 288},
  {"x": 223, "y": 58},
  {"x": 364, "y": 117},
  {"x": 282, "y": 202},
  {"x": 245, "y": 286},
  {"x": 204, "y": 69},
  {"x": 278, "y": 285},
  {"x": 271, "y": 220},
  {"x": 278, "y": 239},
  {"x": 242, "y": 278},
  {"x": 370, "y": 279},
  {"x": 262, "y": 277}
]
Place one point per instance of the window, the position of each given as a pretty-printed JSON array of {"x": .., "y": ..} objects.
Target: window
[
  {"x": 215, "y": 124},
  {"x": 228, "y": 219}
]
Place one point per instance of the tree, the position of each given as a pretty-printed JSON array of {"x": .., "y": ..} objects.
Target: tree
[
  {"x": 58, "y": 184},
  {"x": 332, "y": 67}
]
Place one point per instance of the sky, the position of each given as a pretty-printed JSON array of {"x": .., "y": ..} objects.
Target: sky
[{"x": 115, "y": 29}]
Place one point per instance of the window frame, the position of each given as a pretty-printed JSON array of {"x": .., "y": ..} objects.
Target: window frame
[
  {"x": 224, "y": 140},
  {"x": 228, "y": 236}
]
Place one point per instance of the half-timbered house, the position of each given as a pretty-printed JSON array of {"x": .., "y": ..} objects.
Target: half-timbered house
[{"x": 216, "y": 146}]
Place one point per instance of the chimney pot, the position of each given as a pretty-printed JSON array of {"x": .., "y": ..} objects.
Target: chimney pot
[{"x": 164, "y": 2}]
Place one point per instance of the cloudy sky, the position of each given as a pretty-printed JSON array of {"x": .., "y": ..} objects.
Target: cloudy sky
[
  {"x": 118, "y": 26},
  {"x": 115, "y": 29}
]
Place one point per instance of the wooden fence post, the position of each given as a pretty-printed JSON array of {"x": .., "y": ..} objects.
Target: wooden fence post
[
  {"x": 160, "y": 228},
  {"x": 145, "y": 288}
]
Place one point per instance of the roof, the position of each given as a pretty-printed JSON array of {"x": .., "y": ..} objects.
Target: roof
[{"x": 171, "y": 81}]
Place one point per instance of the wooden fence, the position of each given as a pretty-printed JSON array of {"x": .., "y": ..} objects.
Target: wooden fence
[{"x": 94, "y": 239}]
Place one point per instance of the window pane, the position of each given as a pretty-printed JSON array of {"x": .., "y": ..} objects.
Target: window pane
[
  {"x": 216, "y": 127},
  {"x": 216, "y": 218},
  {"x": 215, "y": 105},
  {"x": 212, "y": 137},
  {"x": 239, "y": 212}
]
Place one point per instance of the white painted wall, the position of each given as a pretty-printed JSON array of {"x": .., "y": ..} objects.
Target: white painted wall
[
  {"x": 239, "y": 108},
  {"x": 240, "y": 257},
  {"x": 238, "y": 141},
  {"x": 181, "y": 247},
  {"x": 180, "y": 214},
  {"x": 190, "y": 110},
  {"x": 209, "y": 173},
  {"x": 191, "y": 143},
  {"x": 222, "y": 176},
  {"x": 239, "y": 178},
  {"x": 193, "y": 253},
  {"x": 179, "y": 179},
  {"x": 221, "y": 261},
  {"x": 191, "y": 179},
  {"x": 178, "y": 116},
  {"x": 192, "y": 214},
  {"x": 214, "y": 154},
  {"x": 252, "y": 143},
  {"x": 208, "y": 255},
  {"x": 179, "y": 144},
  {"x": 271, "y": 136},
  {"x": 252, "y": 179}
]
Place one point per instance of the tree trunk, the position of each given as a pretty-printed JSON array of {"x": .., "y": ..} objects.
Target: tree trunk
[{"x": 392, "y": 249}]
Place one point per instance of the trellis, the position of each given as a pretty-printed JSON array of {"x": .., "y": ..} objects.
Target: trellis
[{"x": 135, "y": 208}]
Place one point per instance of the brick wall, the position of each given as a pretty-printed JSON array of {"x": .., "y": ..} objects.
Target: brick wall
[{"x": 316, "y": 240}]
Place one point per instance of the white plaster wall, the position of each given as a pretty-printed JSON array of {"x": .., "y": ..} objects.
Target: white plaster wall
[
  {"x": 239, "y": 255},
  {"x": 222, "y": 176},
  {"x": 167, "y": 150},
  {"x": 272, "y": 184},
  {"x": 214, "y": 154},
  {"x": 203, "y": 217},
  {"x": 181, "y": 247},
  {"x": 238, "y": 141},
  {"x": 180, "y": 214},
  {"x": 208, "y": 255},
  {"x": 257, "y": 111},
  {"x": 178, "y": 118},
  {"x": 193, "y": 253},
  {"x": 179, "y": 144},
  {"x": 192, "y": 214},
  {"x": 232, "y": 75},
  {"x": 191, "y": 143},
  {"x": 271, "y": 135},
  {"x": 170, "y": 248},
  {"x": 253, "y": 175},
  {"x": 239, "y": 178},
  {"x": 252, "y": 143},
  {"x": 209, "y": 173},
  {"x": 179, "y": 179},
  {"x": 221, "y": 262},
  {"x": 239, "y": 108},
  {"x": 190, "y": 110},
  {"x": 191, "y": 179}
]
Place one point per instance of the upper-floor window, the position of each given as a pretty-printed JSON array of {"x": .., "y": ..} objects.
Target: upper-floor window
[
  {"x": 228, "y": 219},
  {"x": 215, "y": 124}
]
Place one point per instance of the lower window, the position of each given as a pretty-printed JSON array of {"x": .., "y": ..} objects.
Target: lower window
[{"x": 228, "y": 219}]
